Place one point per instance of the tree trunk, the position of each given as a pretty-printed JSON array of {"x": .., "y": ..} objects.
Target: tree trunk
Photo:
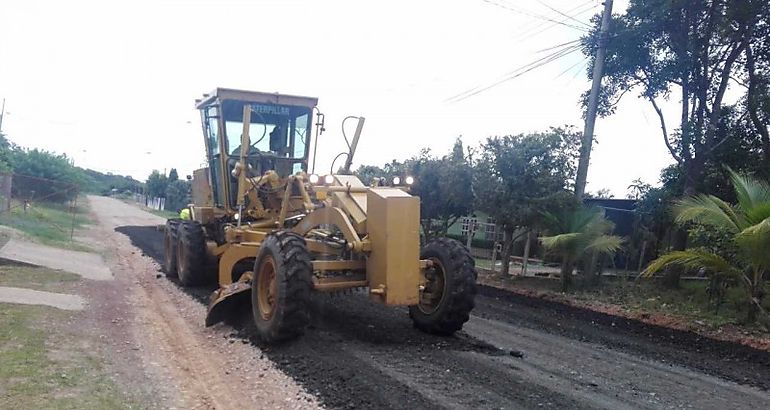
[
  {"x": 591, "y": 275},
  {"x": 525, "y": 259},
  {"x": 507, "y": 249},
  {"x": 494, "y": 256},
  {"x": 641, "y": 256},
  {"x": 566, "y": 275}
]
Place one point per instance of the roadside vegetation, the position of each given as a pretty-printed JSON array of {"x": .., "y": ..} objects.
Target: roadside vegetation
[
  {"x": 707, "y": 218},
  {"x": 44, "y": 361},
  {"x": 49, "y": 223}
]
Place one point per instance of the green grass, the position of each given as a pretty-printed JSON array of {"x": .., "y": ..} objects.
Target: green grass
[
  {"x": 690, "y": 301},
  {"x": 163, "y": 214},
  {"x": 45, "y": 367},
  {"x": 35, "y": 278},
  {"x": 45, "y": 361},
  {"x": 49, "y": 223}
]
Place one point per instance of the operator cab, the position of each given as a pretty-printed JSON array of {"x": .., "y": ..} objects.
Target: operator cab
[{"x": 279, "y": 132}]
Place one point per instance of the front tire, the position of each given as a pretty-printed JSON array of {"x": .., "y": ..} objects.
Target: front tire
[
  {"x": 281, "y": 286},
  {"x": 191, "y": 254},
  {"x": 449, "y": 288}
]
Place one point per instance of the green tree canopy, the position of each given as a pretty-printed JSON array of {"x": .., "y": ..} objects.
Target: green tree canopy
[
  {"x": 157, "y": 184},
  {"x": 519, "y": 177},
  {"x": 691, "y": 49}
]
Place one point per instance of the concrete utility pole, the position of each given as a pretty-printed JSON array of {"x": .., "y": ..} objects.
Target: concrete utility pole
[{"x": 593, "y": 103}]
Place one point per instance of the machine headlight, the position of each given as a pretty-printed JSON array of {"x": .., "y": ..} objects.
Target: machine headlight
[
  {"x": 396, "y": 180},
  {"x": 409, "y": 180},
  {"x": 313, "y": 179},
  {"x": 329, "y": 179}
]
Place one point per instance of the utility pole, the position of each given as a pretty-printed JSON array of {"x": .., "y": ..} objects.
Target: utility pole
[
  {"x": 2, "y": 114},
  {"x": 593, "y": 103}
]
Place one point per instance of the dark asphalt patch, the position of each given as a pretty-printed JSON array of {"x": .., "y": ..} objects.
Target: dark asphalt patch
[
  {"x": 732, "y": 361},
  {"x": 357, "y": 354}
]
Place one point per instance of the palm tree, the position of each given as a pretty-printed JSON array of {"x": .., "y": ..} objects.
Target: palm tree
[
  {"x": 577, "y": 233},
  {"x": 747, "y": 223}
]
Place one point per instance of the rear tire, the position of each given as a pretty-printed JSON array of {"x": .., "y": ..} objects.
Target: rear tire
[
  {"x": 450, "y": 288},
  {"x": 191, "y": 254},
  {"x": 170, "y": 248},
  {"x": 280, "y": 289}
]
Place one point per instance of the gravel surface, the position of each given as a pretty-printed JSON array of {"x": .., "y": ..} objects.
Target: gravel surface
[
  {"x": 516, "y": 352},
  {"x": 155, "y": 337}
]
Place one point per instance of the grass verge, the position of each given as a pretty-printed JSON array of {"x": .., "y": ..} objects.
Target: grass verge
[
  {"x": 46, "y": 362},
  {"x": 43, "y": 367},
  {"x": 49, "y": 223},
  {"x": 645, "y": 298},
  {"x": 31, "y": 277}
]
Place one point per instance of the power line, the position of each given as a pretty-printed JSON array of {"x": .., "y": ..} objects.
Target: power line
[
  {"x": 515, "y": 73},
  {"x": 524, "y": 35},
  {"x": 532, "y": 25},
  {"x": 571, "y": 67},
  {"x": 559, "y": 45},
  {"x": 565, "y": 15},
  {"x": 531, "y": 14}
]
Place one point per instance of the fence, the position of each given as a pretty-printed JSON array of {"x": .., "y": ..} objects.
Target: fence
[
  {"x": 158, "y": 204},
  {"x": 39, "y": 206}
]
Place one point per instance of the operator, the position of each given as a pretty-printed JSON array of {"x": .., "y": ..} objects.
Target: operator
[
  {"x": 278, "y": 140},
  {"x": 184, "y": 214}
]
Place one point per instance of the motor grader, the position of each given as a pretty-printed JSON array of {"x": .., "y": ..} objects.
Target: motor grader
[{"x": 271, "y": 233}]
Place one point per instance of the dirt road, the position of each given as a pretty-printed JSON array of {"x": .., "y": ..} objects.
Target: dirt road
[
  {"x": 159, "y": 342},
  {"x": 516, "y": 352}
]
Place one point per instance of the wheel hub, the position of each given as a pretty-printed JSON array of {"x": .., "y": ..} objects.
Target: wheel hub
[
  {"x": 433, "y": 290},
  {"x": 267, "y": 288}
]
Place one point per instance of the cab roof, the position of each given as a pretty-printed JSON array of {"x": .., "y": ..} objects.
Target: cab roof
[{"x": 220, "y": 94}]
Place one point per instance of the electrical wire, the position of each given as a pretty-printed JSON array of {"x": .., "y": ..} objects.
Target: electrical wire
[
  {"x": 515, "y": 73},
  {"x": 577, "y": 40},
  {"x": 534, "y": 15},
  {"x": 583, "y": 23},
  {"x": 529, "y": 33},
  {"x": 571, "y": 67}
]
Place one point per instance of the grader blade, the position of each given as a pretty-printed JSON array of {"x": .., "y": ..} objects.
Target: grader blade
[{"x": 227, "y": 301}]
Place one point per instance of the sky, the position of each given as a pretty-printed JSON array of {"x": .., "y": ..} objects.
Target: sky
[{"x": 112, "y": 83}]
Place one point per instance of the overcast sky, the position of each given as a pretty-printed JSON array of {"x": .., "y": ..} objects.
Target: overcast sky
[{"x": 113, "y": 83}]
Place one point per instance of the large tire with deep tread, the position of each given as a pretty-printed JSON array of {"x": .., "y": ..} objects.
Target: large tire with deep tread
[
  {"x": 169, "y": 247},
  {"x": 453, "y": 309},
  {"x": 286, "y": 314},
  {"x": 192, "y": 265}
]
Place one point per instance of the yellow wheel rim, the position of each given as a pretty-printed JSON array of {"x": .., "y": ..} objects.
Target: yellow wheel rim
[
  {"x": 267, "y": 288},
  {"x": 434, "y": 283}
]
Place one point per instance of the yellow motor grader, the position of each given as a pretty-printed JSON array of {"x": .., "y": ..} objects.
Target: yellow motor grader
[{"x": 270, "y": 233}]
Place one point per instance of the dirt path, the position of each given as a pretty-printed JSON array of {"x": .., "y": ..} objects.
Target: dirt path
[
  {"x": 516, "y": 352},
  {"x": 161, "y": 328}
]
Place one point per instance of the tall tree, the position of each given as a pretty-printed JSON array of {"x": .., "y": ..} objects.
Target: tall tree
[{"x": 690, "y": 48}]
